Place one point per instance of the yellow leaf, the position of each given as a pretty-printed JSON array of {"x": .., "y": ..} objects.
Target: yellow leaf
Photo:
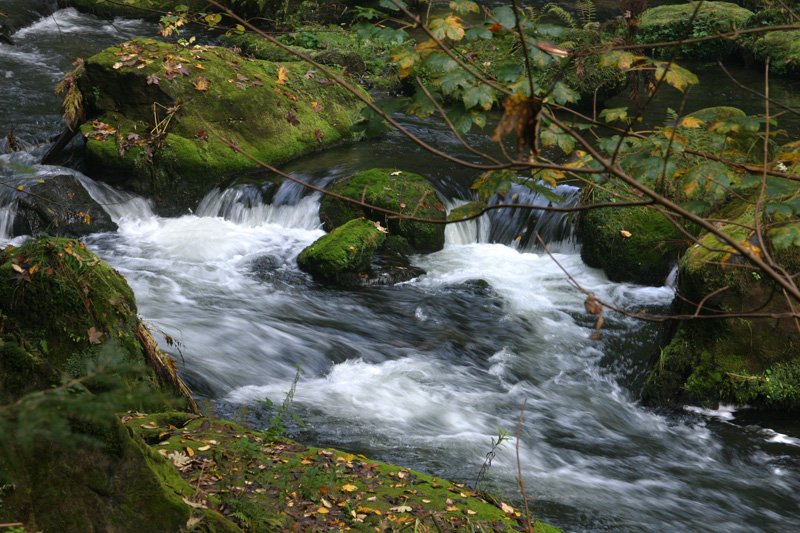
[
  {"x": 625, "y": 234},
  {"x": 452, "y": 508},
  {"x": 202, "y": 84},
  {"x": 690, "y": 122},
  {"x": 21, "y": 188},
  {"x": 189, "y": 452},
  {"x": 322, "y": 510},
  {"x": 349, "y": 488},
  {"x": 283, "y": 75}
]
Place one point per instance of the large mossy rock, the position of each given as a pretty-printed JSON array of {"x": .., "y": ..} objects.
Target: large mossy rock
[
  {"x": 672, "y": 23},
  {"x": 395, "y": 191},
  {"x": 741, "y": 361},
  {"x": 343, "y": 252},
  {"x": 631, "y": 244},
  {"x": 154, "y": 108}
]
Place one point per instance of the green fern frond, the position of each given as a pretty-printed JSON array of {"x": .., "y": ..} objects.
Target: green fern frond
[
  {"x": 561, "y": 13},
  {"x": 586, "y": 11}
]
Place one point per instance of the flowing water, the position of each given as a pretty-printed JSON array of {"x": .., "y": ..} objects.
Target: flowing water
[{"x": 425, "y": 372}]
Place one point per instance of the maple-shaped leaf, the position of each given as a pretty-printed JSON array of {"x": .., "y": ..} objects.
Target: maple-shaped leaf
[
  {"x": 617, "y": 113},
  {"x": 467, "y": 210},
  {"x": 690, "y": 122},
  {"x": 202, "y": 84},
  {"x": 401, "y": 509},
  {"x": 522, "y": 117},
  {"x": 152, "y": 79},
  {"x": 283, "y": 75},
  {"x": 462, "y": 7},
  {"x": 183, "y": 70},
  {"x": 675, "y": 75},
  {"x": 449, "y": 27},
  {"x": 785, "y": 236},
  {"x": 95, "y": 336}
]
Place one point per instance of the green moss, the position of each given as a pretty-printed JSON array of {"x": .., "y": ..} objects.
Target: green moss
[
  {"x": 177, "y": 161},
  {"x": 345, "y": 250},
  {"x": 780, "y": 48},
  {"x": 646, "y": 256},
  {"x": 741, "y": 361},
  {"x": 396, "y": 191},
  {"x": 326, "y": 489},
  {"x": 670, "y": 23}
]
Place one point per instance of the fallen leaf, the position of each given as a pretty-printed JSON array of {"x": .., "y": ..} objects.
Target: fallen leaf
[
  {"x": 401, "y": 509},
  {"x": 94, "y": 336},
  {"x": 283, "y": 75},
  {"x": 349, "y": 487},
  {"x": 625, "y": 234},
  {"x": 202, "y": 84}
]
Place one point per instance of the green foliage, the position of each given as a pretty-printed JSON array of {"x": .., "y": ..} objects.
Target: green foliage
[
  {"x": 277, "y": 423},
  {"x": 497, "y": 445}
]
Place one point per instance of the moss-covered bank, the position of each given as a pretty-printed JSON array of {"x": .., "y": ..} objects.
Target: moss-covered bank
[
  {"x": 73, "y": 353},
  {"x": 740, "y": 361},
  {"x": 168, "y": 121}
]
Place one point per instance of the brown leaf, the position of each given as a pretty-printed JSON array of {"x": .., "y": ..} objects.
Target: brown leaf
[
  {"x": 291, "y": 118},
  {"x": 94, "y": 336},
  {"x": 552, "y": 49},
  {"x": 592, "y": 306},
  {"x": 522, "y": 117},
  {"x": 319, "y": 135}
]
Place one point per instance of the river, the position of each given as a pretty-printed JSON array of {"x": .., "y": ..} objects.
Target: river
[{"x": 422, "y": 373}]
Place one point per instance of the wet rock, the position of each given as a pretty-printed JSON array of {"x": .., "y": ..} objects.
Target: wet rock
[
  {"x": 630, "y": 244},
  {"x": 740, "y": 361},
  {"x": 401, "y": 192},
  {"x": 344, "y": 252},
  {"x": 60, "y": 207}
]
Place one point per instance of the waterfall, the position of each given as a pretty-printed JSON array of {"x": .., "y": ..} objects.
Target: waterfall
[
  {"x": 517, "y": 227},
  {"x": 249, "y": 206}
]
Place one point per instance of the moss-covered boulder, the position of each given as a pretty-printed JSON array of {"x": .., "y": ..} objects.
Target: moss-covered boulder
[
  {"x": 395, "y": 191},
  {"x": 631, "y": 244},
  {"x": 740, "y": 361},
  {"x": 255, "y": 45},
  {"x": 343, "y": 252},
  {"x": 157, "y": 113},
  {"x": 62, "y": 302},
  {"x": 674, "y": 22},
  {"x": 780, "y": 48}
]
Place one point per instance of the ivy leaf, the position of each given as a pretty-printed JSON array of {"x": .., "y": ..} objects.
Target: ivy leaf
[
  {"x": 447, "y": 27},
  {"x": 462, "y": 7},
  {"x": 467, "y": 210},
  {"x": 785, "y": 236}
]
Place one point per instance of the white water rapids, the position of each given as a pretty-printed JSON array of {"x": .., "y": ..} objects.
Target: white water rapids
[{"x": 425, "y": 372}]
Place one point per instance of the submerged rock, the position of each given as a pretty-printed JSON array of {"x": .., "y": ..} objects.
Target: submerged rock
[
  {"x": 395, "y": 191},
  {"x": 158, "y": 113},
  {"x": 60, "y": 207}
]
